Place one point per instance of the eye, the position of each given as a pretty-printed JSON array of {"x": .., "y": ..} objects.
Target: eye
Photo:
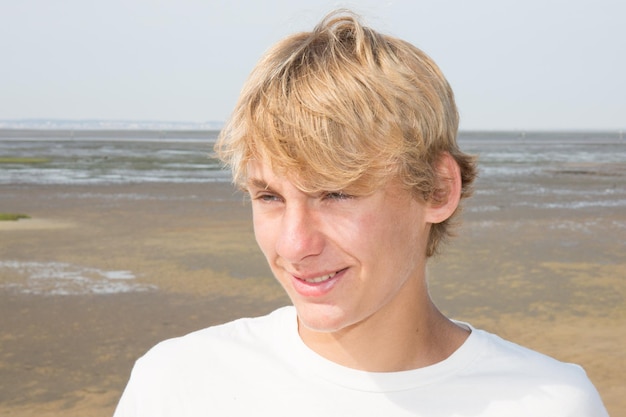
[
  {"x": 337, "y": 195},
  {"x": 267, "y": 197}
]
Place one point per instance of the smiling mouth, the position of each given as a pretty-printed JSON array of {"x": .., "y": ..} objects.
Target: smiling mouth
[{"x": 317, "y": 280}]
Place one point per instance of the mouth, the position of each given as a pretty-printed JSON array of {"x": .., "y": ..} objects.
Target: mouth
[
  {"x": 320, "y": 279},
  {"x": 317, "y": 280},
  {"x": 315, "y": 286}
]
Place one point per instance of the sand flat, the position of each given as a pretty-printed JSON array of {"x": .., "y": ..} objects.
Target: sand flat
[
  {"x": 34, "y": 224},
  {"x": 552, "y": 280}
]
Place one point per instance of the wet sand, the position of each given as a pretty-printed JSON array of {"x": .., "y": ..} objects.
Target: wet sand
[{"x": 554, "y": 280}]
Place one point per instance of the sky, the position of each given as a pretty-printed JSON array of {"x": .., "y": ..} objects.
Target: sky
[{"x": 514, "y": 65}]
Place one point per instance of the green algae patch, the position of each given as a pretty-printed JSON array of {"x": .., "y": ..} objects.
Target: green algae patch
[{"x": 13, "y": 216}]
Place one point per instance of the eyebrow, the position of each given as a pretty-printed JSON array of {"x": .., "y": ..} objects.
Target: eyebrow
[{"x": 258, "y": 183}]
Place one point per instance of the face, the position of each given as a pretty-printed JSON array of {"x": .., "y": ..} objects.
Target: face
[{"x": 342, "y": 259}]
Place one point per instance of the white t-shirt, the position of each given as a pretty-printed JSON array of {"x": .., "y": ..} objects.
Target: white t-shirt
[{"x": 261, "y": 367}]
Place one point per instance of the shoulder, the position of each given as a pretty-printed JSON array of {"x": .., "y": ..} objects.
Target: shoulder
[
  {"x": 203, "y": 369},
  {"x": 510, "y": 369},
  {"x": 511, "y": 357},
  {"x": 217, "y": 345}
]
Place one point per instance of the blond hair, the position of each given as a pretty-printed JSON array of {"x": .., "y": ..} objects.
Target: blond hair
[{"x": 346, "y": 108}]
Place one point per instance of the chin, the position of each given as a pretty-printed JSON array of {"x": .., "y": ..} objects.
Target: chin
[{"x": 322, "y": 319}]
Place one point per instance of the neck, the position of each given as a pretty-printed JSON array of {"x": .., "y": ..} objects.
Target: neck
[{"x": 391, "y": 341}]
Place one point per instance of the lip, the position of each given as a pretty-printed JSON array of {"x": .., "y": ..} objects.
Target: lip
[{"x": 311, "y": 289}]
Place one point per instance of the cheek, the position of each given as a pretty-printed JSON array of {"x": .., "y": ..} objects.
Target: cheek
[
  {"x": 366, "y": 235},
  {"x": 263, "y": 235},
  {"x": 397, "y": 237}
]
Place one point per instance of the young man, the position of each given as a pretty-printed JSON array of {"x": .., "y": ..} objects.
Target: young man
[{"x": 345, "y": 140}]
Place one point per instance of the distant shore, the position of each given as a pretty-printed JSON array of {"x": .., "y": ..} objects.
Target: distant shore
[
  {"x": 113, "y": 129},
  {"x": 108, "y": 133}
]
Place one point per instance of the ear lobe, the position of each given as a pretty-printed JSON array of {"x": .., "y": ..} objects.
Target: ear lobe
[{"x": 445, "y": 200}]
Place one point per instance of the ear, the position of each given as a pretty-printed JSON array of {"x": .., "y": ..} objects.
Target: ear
[{"x": 445, "y": 200}]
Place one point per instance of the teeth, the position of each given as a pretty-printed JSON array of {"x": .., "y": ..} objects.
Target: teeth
[{"x": 320, "y": 279}]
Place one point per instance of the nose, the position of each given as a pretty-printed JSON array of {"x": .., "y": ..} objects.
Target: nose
[{"x": 300, "y": 235}]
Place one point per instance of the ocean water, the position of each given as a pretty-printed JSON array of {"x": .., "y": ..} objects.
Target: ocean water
[
  {"x": 108, "y": 157},
  {"x": 557, "y": 170},
  {"x": 548, "y": 170}
]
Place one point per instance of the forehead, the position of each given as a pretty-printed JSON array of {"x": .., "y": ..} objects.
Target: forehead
[
  {"x": 258, "y": 169},
  {"x": 261, "y": 176}
]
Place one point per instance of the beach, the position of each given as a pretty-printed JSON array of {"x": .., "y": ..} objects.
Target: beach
[
  {"x": 102, "y": 272},
  {"x": 67, "y": 350}
]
